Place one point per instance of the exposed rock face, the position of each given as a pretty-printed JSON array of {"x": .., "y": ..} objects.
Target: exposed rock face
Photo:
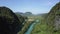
[
  {"x": 9, "y": 22},
  {"x": 57, "y": 22},
  {"x": 53, "y": 19}
]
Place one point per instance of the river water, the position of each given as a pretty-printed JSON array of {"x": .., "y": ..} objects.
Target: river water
[{"x": 31, "y": 28}]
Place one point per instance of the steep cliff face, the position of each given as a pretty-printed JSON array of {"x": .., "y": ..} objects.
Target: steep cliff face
[
  {"x": 53, "y": 18},
  {"x": 9, "y": 22}
]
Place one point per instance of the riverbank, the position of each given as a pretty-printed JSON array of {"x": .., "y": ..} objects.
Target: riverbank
[
  {"x": 31, "y": 27},
  {"x": 40, "y": 27},
  {"x": 25, "y": 27}
]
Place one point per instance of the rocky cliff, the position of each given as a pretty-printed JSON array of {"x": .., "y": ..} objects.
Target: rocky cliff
[{"x": 53, "y": 18}]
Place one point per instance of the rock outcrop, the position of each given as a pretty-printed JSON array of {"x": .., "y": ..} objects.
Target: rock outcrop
[
  {"x": 53, "y": 18},
  {"x": 9, "y": 22}
]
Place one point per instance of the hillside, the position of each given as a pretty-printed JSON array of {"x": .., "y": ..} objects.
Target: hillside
[
  {"x": 50, "y": 23},
  {"x": 9, "y": 22},
  {"x": 25, "y": 14},
  {"x": 53, "y": 19}
]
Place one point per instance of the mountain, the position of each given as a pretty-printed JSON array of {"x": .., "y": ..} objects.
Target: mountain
[
  {"x": 9, "y": 22},
  {"x": 24, "y": 14},
  {"x": 53, "y": 18}
]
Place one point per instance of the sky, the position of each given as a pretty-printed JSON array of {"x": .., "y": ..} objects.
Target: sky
[{"x": 34, "y": 6}]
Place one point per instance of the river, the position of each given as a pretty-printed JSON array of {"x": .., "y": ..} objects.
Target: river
[{"x": 31, "y": 27}]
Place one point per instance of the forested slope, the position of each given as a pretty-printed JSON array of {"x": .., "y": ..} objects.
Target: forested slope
[{"x": 9, "y": 22}]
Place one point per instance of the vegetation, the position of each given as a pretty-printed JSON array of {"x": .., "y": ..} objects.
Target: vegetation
[
  {"x": 52, "y": 18},
  {"x": 13, "y": 23},
  {"x": 9, "y": 22},
  {"x": 25, "y": 14},
  {"x": 40, "y": 27},
  {"x": 46, "y": 25},
  {"x": 26, "y": 25}
]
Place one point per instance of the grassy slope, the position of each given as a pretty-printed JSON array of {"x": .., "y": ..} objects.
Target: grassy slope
[{"x": 40, "y": 28}]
